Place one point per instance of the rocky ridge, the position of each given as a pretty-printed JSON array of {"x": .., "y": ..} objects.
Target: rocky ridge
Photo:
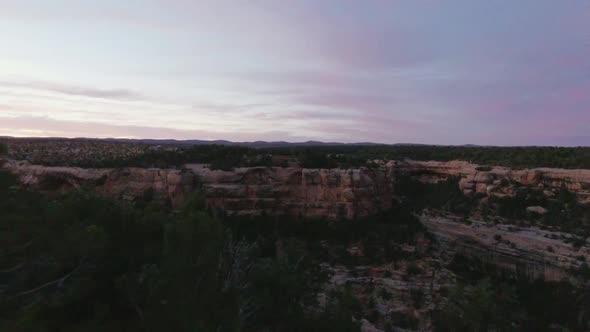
[
  {"x": 328, "y": 193},
  {"x": 337, "y": 193},
  {"x": 325, "y": 193},
  {"x": 498, "y": 181},
  {"x": 340, "y": 193},
  {"x": 518, "y": 251}
]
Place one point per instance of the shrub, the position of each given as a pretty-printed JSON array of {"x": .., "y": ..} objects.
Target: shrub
[
  {"x": 413, "y": 269},
  {"x": 483, "y": 168},
  {"x": 385, "y": 294},
  {"x": 417, "y": 295}
]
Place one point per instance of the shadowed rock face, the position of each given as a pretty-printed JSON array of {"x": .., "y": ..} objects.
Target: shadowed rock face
[
  {"x": 322, "y": 193},
  {"x": 528, "y": 252}
]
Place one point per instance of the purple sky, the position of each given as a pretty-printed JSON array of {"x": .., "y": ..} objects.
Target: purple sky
[{"x": 423, "y": 71}]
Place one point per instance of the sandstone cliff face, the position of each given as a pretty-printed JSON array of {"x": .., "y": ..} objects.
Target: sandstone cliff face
[
  {"x": 527, "y": 252},
  {"x": 167, "y": 185},
  {"x": 336, "y": 193},
  {"x": 327, "y": 193},
  {"x": 330, "y": 193},
  {"x": 498, "y": 181},
  {"x": 399, "y": 298},
  {"x": 322, "y": 193}
]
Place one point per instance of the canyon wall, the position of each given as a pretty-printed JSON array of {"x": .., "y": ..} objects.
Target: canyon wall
[
  {"x": 529, "y": 252},
  {"x": 498, "y": 181},
  {"x": 389, "y": 288},
  {"x": 325, "y": 193},
  {"x": 349, "y": 194},
  {"x": 330, "y": 193},
  {"x": 321, "y": 193}
]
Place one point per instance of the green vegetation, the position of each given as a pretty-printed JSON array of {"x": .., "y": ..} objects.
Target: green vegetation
[
  {"x": 97, "y": 153},
  {"x": 483, "y": 168},
  {"x": 563, "y": 211},
  {"x": 515, "y": 157},
  {"x": 3, "y": 149},
  {"x": 217, "y": 156},
  {"x": 487, "y": 300},
  {"x": 444, "y": 195},
  {"x": 81, "y": 263}
]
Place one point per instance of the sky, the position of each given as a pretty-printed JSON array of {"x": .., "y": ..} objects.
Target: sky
[{"x": 490, "y": 72}]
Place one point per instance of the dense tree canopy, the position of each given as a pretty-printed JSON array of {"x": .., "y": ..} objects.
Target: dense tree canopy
[
  {"x": 81, "y": 263},
  {"x": 518, "y": 157},
  {"x": 98, "y": 153}
]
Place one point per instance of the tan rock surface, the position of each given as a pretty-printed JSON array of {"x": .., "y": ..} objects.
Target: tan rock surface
[
  {"x": 325, "y": 193},
  {"x": 530, "y": 251},
  {"x": 498, "y": 181},
  {"x": 330, "y": 193}
]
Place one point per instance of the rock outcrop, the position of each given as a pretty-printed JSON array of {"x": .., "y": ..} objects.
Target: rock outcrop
[
  {"x": 391, "y": 290},
  {"x": 528, "y": 252},
  {"x": 169, "y": 185},
  {"x": 326, "y": 193},
  {"x": 322, "y": 193},
  {"x": 498, "y": 181}
]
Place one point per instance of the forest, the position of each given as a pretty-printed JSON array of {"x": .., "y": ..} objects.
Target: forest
[
  {"x": 81, "y": 263},
  {"x": 77, "y": 262},
  {"x": 345, "y": 156},
  {"x": 227, "y": 157}
]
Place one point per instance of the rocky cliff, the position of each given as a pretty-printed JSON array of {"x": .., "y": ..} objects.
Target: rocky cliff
[
  {"x": 389, "y": 289},
  {"x": 529, "y": 252},
  {"x": 327, "y": 193},
  {"x": 498, "y": 181},
  {"x": 330, "y": 193}
]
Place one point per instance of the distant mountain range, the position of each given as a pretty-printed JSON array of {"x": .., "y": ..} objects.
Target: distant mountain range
[{"x": 254, "y": 144}]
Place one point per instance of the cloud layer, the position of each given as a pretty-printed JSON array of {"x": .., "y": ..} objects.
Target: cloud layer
[{"x": 453, "y": 72}]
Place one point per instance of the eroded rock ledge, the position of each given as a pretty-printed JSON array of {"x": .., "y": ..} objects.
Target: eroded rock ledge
[
  {"x": 348, "y": 193},
  {"x": 328, "y": 193},
  {"x": 498, "y": 181},
  {"x": 529, "y": 252}
]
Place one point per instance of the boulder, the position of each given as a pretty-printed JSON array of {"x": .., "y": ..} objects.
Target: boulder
[{"x": 536, "y": 210}]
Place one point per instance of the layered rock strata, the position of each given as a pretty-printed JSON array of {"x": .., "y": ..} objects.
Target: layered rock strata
[
  {"x": 330, "y": 193},
  {"x": 528, "y": 252},
  {"x": 325, "y": 193},
  {"x": 498, "y": 181}
]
